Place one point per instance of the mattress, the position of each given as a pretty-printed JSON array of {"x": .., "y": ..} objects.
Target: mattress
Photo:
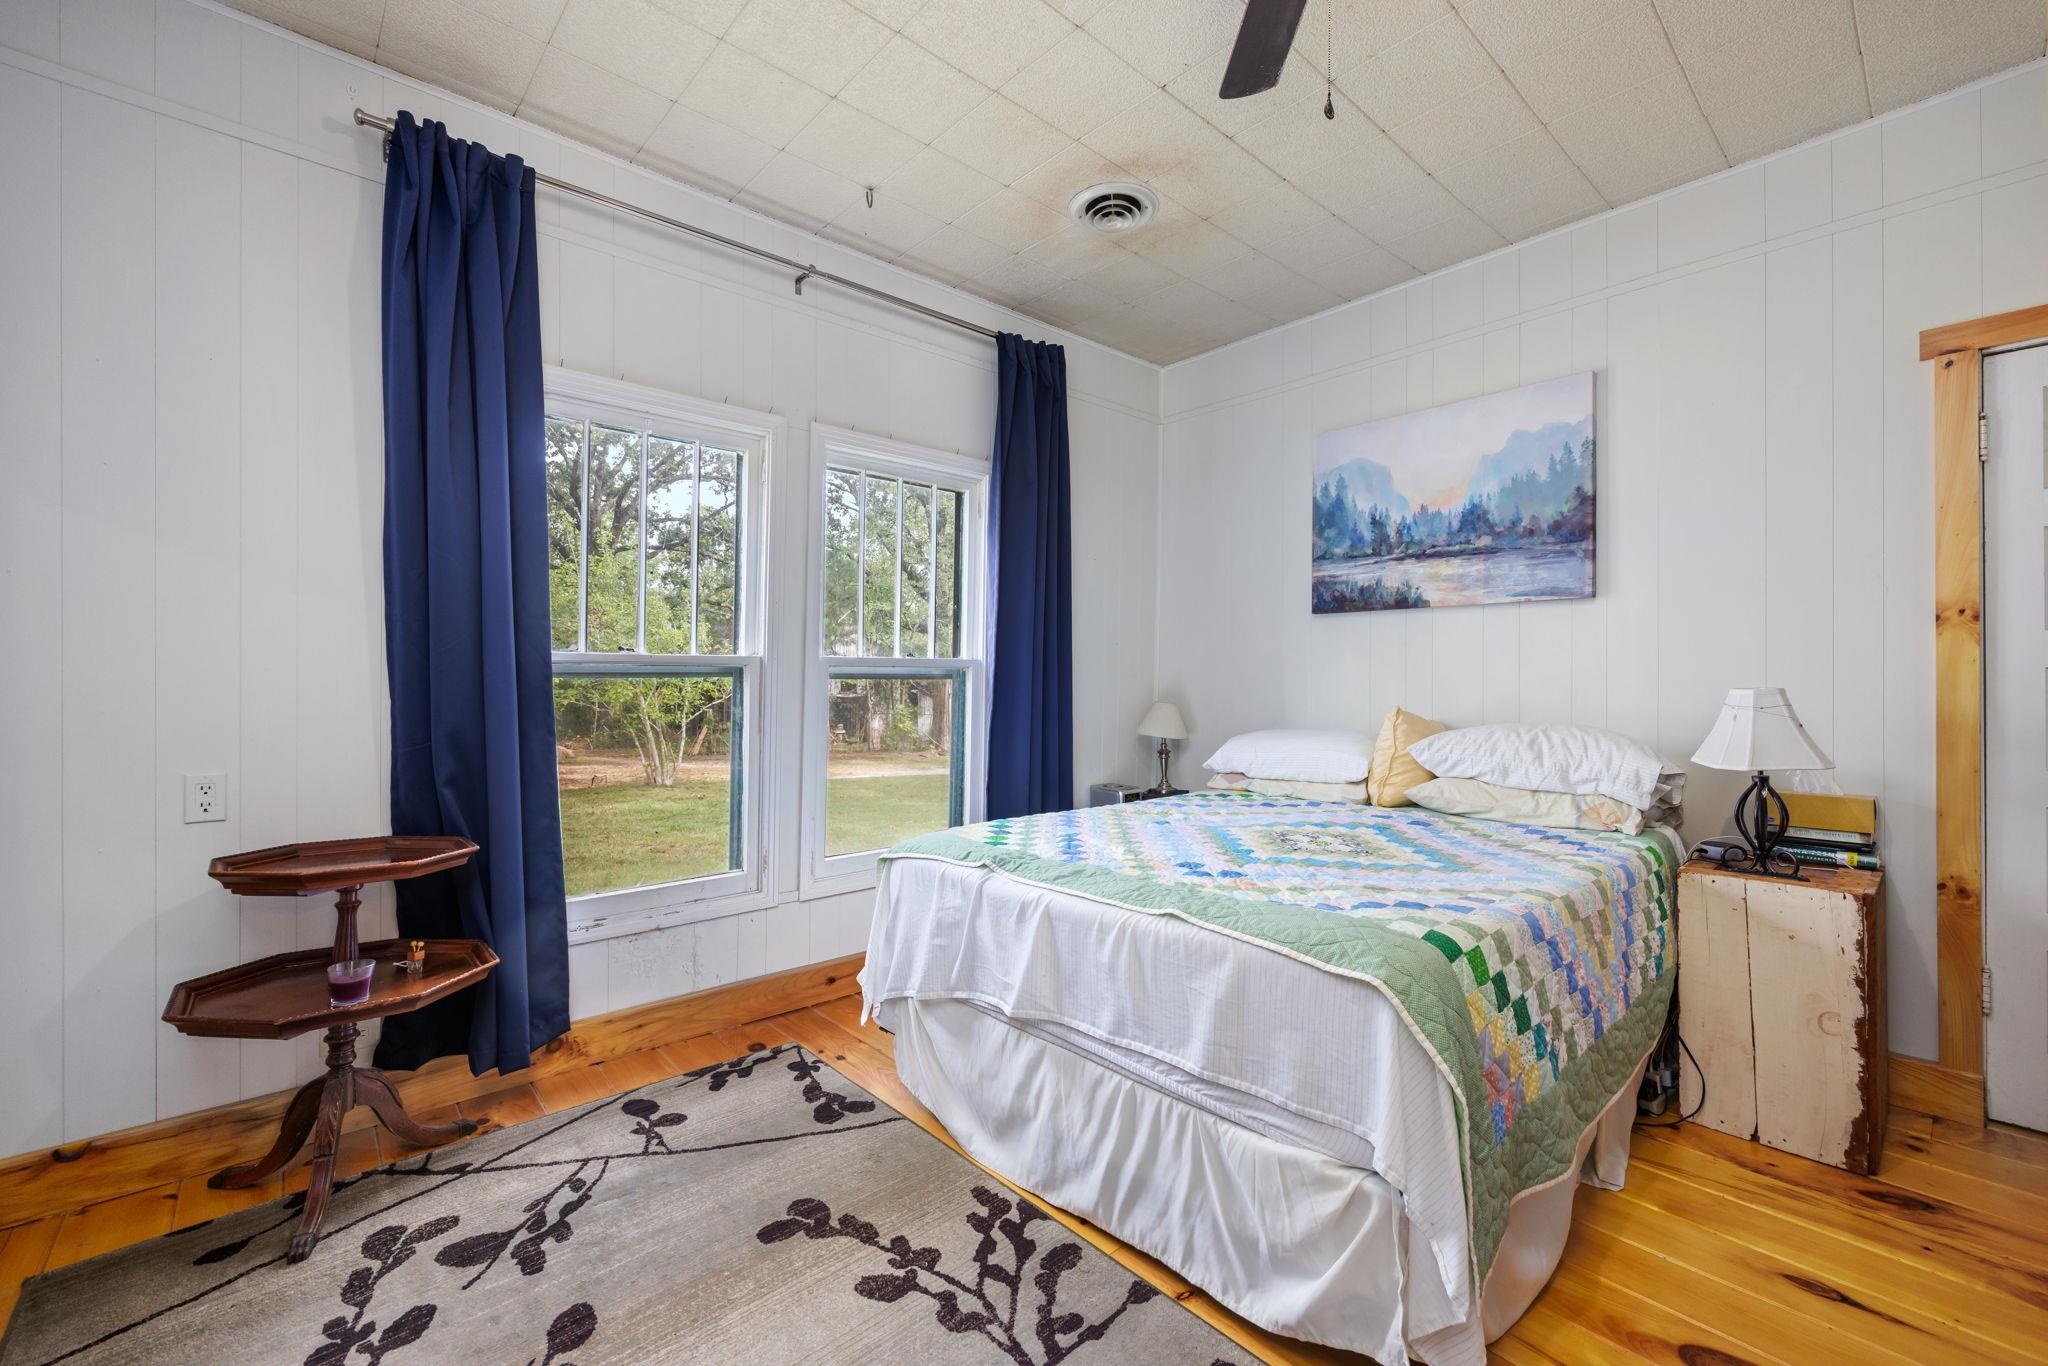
[{"x": 1271, "y": 1043}]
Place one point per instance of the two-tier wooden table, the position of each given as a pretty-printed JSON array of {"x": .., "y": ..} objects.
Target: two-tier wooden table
[{"x": 287, "y": 994}]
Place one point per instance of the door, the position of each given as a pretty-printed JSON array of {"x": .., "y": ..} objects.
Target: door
[{"x": 2016, "y": 736}]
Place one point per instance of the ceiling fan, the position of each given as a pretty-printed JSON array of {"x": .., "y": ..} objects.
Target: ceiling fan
[{"x": 1261, "y": 49}]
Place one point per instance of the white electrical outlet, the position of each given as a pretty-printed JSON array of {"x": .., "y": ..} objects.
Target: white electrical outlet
[{"x": 206, "y": 797}]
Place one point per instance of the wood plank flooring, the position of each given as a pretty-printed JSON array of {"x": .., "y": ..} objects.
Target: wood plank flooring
[{"x": 1718, "y": 1251}]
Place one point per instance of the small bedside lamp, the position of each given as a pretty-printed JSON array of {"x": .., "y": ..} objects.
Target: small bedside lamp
[
  {"x": 1757, "y": 730},
  {"x": 1163, "y": 723}
]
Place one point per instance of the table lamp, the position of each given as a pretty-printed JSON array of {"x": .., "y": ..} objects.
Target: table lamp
[
  {"x": 1163, "y": 723},
  {"x": 1756, "y": 731}
]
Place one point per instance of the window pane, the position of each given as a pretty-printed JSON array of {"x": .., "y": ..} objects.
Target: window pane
[
  {"x": 842, "y": 562},
  {"x": 718, "y": 552},
  {"x": 946, "y": 586},
  {"x": 648, "y": 779},
  {"x": 671, "y": 499},
  {"x": 917, "y": 570},
  {"x": 612, "y": 585},
  {"x": 879, "y": 573},
  {"x": 890, "y": 772},
  {"x": 565, "y": 528}
]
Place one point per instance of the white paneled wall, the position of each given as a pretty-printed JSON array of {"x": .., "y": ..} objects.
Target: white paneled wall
[
  {"x": 1765, "y": 470},
  {"x": 189, "y": 543}
]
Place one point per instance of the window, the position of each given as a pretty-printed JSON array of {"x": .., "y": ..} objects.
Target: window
[
  {"x": 897, "y": 678},
  {"x": 654, "y": 531}
]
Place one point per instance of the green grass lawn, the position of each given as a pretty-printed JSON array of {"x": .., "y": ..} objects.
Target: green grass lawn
[{"x": 630, "y": 835}]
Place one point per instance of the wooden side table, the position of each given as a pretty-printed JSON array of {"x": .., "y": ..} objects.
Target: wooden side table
[
  {"x": 287, "y": 994},
  {"x": 1781, "y": 997}
]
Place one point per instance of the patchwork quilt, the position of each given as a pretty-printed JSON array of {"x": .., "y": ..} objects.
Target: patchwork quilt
[{"x": 1534, "y": 964}]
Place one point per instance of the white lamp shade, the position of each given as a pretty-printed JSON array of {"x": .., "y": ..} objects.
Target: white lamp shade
[
  {"x": 1758, "y": 730},
  {"x": 1163, "y": 723}
]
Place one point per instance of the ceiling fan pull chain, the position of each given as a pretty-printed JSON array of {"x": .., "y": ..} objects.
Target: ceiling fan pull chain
[{"x": 1329, "y": 58}]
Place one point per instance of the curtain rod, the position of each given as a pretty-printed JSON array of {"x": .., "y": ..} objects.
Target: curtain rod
[{"x": 804, "y": 272}]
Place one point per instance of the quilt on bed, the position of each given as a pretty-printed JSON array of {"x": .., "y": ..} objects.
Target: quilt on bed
[{"x": 1534, "y": 964}]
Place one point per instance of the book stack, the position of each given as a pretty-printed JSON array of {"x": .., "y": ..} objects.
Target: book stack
[{"x": 1830, "y": 830}]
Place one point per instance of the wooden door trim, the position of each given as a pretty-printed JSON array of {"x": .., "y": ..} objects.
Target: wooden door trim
[{"x": 1957, "y": 351}]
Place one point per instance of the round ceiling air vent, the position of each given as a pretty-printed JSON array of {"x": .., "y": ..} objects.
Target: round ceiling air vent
[{"x": 1116, "y": 207}]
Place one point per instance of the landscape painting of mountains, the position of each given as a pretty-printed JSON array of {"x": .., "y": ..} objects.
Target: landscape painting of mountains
[{"x": 1485, "y": 501}]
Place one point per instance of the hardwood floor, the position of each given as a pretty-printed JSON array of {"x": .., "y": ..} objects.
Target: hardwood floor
[{"x": 1718, "y": 1251}]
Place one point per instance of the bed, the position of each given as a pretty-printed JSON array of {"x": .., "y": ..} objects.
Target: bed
[{"x": 1341, "y": 1066}]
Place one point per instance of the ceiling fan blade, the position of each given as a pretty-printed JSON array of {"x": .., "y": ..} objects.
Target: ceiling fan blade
[{"x": 1261, "y": 50}]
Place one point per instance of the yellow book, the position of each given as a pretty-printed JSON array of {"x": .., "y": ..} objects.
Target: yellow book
[{"x": 1833, "y": 811}]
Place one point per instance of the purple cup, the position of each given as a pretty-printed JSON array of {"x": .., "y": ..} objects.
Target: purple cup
[{"x": 348, "y": 984}]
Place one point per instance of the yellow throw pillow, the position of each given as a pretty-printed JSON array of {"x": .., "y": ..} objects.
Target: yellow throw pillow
[{"x": 1393, "y": 772}]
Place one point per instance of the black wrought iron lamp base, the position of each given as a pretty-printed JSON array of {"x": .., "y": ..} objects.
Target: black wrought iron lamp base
[{"x": 1761, "y": 817}]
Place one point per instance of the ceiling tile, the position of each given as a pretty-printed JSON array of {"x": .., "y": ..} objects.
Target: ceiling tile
[
  {"x": 1484, "y": 117},
  {"x": 1014, "y": 279},
  {"x": 1440, "y": 62},
  {"x": 701, "y": 151},
  {"x": 1011, "y": 221},
  {"x": 1660, "y": 110},
  {"x": 1001, "y": 138},
  {"x": 939, "y": 185},
  {"x": 1367, "y": 272},
  {"x": 1654, "y": 164},
  {"x": 356, "y": 20},
  {"x": 1190, "y": 247},
  {"x": 1129, "y": 277},
  {"x": 1278, "y": 212},
  {"x": 1586, "y": 66},
  {"x": 1832, "y": 99},
  {"x": 891, "y": 13},
  {"x": 913, "y": 91},
  {"x": 1914, "y": 48},
  {"x": 1196, "y": 88},
  {"x": 632, "y": 38},
  {"x": 1075, "y": 249},
  {"x": 1697, "y": 26},
  {"x": 888, "y": 229},
  {"x": 1502, "y": 172},
  {"x": 454, "y": 46},
  {"x": 592, "y": 105},
  {"x": 1166, "y": 146},
  {"x": 713, "y": 16},
  {"x": 795, "y": 191},
  {"x": 990, "y": 40},
  {"x": 1354, "y": 185},
  {"x": 820, "y": 42},
  {"x": 535, "y": 18},
  {"x": 1456, "y": 238},
  {"x": 1298, "y": 138},
  {"x": 1542, "y": 205},
  {"x": 1057, "y": 179},
  {"x": 1266, "y": 285},
  {"x": 1197, "y": 306},
  {"x": 1359, "y": 30},
  {"x": 739, "y": 89},
  {"x": 1325, "y": 244},
  {"x": 859, "y": 147},
  {"x": 1073, "y": 302},
  {"x": 1801, "y": 41},
  {"x": 951, "y": 255},
  {"x": 1076, "y": 84},
  {"x": 1518, "y": 29},
  {"x": 1163, "y": 38}
]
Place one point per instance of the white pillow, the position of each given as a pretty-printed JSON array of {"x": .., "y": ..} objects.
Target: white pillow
[
  {"x": 1577, "y": 759},
  {"x": 1296, "y": 756}
]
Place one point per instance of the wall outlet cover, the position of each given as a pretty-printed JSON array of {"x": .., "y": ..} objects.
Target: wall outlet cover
[{"x": 206, "y": 797}]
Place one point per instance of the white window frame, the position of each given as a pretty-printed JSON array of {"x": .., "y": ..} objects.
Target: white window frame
[
  {"x": 761, "y": 438},
  {"x": 831, "y": 875}
]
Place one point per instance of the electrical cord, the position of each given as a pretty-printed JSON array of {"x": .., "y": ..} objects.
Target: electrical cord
[{"x": 1674, "y": 1123}]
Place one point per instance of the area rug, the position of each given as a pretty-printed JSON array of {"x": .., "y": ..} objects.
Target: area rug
[{"x": 764, "y": 1210}]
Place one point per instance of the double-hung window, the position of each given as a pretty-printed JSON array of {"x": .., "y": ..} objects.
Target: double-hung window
[
  {"x": 892, "y": 746},
  {"x": 655, "y": 528}
]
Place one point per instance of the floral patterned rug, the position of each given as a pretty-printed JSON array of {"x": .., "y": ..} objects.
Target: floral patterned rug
[{"x": 764, "y": 1210}]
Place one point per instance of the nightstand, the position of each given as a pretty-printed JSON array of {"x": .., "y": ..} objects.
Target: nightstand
[
  {"x": 1116, "y": 794},
  {"x": 1781, "y": 996}
]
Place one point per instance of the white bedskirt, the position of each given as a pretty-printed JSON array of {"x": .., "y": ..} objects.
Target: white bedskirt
[{"x": 1294, "y": 1240}]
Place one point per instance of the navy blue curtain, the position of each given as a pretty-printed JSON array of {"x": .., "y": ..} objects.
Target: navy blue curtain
[
  {"x": 1031, "y": 629},
  {"x": 466, "y": 592}
]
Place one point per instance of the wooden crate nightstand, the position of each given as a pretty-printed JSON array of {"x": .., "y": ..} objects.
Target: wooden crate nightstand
[{"x": 1781, "y": 991}]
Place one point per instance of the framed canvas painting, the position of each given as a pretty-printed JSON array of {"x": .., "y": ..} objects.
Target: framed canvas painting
[{"x": 1485, "y": 501}]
